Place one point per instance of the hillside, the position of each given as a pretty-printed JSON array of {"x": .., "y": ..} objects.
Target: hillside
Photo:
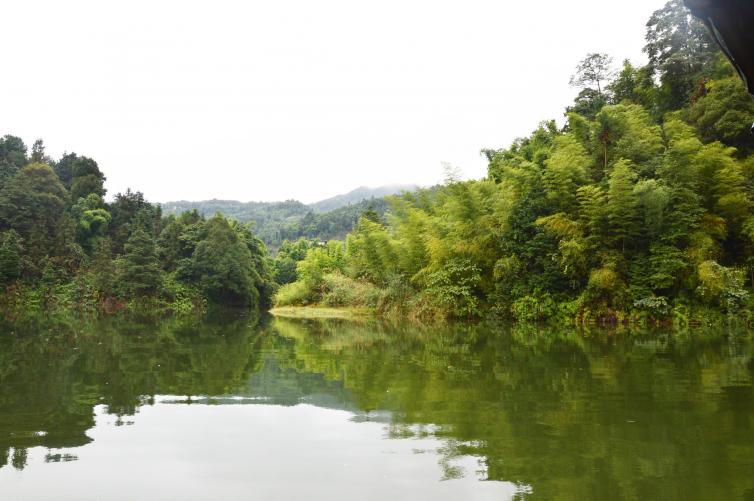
[
  {"x": 359, "y": 194},
  {"x": 275, "y": 222}
]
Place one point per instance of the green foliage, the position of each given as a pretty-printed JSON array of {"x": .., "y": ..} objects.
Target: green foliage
[
  {"x": 370, "y": 252},
  {"x": 222, "y": 267},
  {"x": 681, "y": 51},
  {"x": 295, "y": 293},
  {"x": 287, "y": 258},
  {"x": 592, "y": 71},
  {"x": 33, "y": 204},
  {"x": 320, "y": 261},
  {"x": 103, "y": 279},
  {"x": 276, "y": 222},
  {"x": 724, "y": 113},
  {"x": 125, "y": 210},
  {"x": 92, "y": 220},
  {"x": 455, "y": 288},
  {"x": 62, "y": 246},
  {"x": 643, "y": 201},
  {"x": 534, "y": 308},
  {"x": 722, "y": 286},
  {"x": 12, "y": 157},
  {"x": 10, "y": 257},
  {"x": 339, "y": 290},
  {"x": 630, "y": 206},
  {"x": 139, "y": 269}
]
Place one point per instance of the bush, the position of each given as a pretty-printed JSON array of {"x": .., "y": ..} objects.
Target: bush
[
  {"x": 339, "y": 290},
  {"x": 182, "y": 298},
  {"x": 454, "y": 289},
  {"x": 297, "y": 293},
  {"x": 721, "y": 286},
  {"x": 657, "y": 306},
  {"x": 534, "y": 308}
]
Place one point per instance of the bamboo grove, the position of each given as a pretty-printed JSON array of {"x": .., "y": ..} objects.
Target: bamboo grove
[{"x": 640, "y": 203}]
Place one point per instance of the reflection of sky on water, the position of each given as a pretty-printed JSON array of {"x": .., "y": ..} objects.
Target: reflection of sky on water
[
  {"x": 569, "y": 415},
  {"x": 249, "y": 452}
]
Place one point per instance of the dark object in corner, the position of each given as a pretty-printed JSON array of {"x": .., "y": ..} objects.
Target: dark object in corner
[{"x": 731, "y": 22}]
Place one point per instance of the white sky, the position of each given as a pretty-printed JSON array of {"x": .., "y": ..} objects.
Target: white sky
[{"x": 302, "y": 99}]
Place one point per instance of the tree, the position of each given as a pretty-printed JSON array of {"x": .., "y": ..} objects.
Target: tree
[
  {"x": 139, "y": 267},
  {"x": 680, "y": 50},
  {"x": 725, "y": 113},
  {"x": 627, "y": 131},
  {"x": 588, "y": 103},
  {"x": 124, "y": 210},
  {"x": 622, "y": 203},
  {"x": 104, "y": 280},
  {"x": 81, "y": 175},
  {"x": 12, "y": 157},
  {"x": 594, "y": 69},
  {"x": 288, "y": 256},
  {"x": 38, "y": 153},
  {"x": 32, "y": 204},
  {"x": 260, "y": 272},
  {"x": 10, "y": 257},
  {"x": 92, "y": 220},
  {"x": 567, "y": 169},
  {"x": 624, "y": 87},
  {"x": 371, "y": 215},
  {"x": 222, "y": 266},
  {"x": 179, "y": 238},
  {"x": 371, "y": 251}
]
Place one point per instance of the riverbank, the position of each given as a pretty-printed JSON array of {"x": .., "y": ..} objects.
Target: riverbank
[
  {"x": 680, "y": 318},
  {"x": 322, "y": 312}
]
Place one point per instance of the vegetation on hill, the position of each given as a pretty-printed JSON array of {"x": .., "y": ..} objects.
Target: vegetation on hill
[
  {"x": 359, "y": 195},
  {"x": 63, "y": 246},
  {"x": 276, "y": 222},
  {"x": 640, "y": 204}
]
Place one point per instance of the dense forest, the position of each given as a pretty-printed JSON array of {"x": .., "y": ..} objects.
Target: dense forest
[
  {"x": 640, "y": 204},
  {"x": 63, "y": 246}
]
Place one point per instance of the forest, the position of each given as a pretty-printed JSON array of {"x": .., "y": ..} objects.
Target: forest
[
  {"x": 638, "y": 206},
  {"x": 276, "y": 222},
  {"x": 63, "y": 246}
]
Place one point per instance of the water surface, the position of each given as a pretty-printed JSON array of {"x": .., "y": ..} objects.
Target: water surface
[{"x": 234, "y": 408}]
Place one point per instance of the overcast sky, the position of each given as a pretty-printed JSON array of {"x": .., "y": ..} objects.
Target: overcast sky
[{"x": 302, "y": 99}]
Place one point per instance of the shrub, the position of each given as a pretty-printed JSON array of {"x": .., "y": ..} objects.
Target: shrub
[
  {"x": 339, "y": 290},
  {"x": 722, "y": 286},
  {"x": 455, "y": 288},
  {"x": 296, "y": 293},
  {"x": 534, "y": 308},
  {"x": 657, "y": 306}
]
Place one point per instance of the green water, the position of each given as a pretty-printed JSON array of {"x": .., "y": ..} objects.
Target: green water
[{"x": 232, "y": 408}]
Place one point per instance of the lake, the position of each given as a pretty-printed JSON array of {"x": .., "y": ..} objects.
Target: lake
[{"x": 232, "y": 407}]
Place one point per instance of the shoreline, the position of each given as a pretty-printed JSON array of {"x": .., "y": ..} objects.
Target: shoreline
[{"x": 308, "y": 312}]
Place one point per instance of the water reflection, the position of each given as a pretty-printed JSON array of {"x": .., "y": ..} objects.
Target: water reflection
[{"x": 549, "y": 413}]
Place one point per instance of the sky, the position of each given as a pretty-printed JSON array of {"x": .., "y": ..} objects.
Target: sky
[{"x": 295, "y": 99}]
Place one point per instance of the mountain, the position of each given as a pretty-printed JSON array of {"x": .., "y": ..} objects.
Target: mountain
[
  {"x": 274, "y": 222},
  {"x": 359, "y": 194},
  {"x": 260, "y": 212}
]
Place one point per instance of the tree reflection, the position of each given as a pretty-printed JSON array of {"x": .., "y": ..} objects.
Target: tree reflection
[
  {"x": 561, "y": 413},
  {"x": 572, "y": 414},
  {"x": 53, "y": 375}
]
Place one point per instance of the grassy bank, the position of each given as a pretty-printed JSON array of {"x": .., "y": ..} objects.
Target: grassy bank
[{"x": 347, "y": 312}]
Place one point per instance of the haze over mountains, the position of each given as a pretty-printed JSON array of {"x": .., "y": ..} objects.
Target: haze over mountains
[
  {"x": 274, "y": 222},
  {"x": 359, "y": 194}
]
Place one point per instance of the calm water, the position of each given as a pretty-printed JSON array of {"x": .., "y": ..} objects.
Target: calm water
[{"x": 291, "y": 409}]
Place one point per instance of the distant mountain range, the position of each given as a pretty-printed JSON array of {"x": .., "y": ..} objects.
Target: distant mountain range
[
  {"x": 359, "y": 194},
  {"x": 274, "y": 222}
]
